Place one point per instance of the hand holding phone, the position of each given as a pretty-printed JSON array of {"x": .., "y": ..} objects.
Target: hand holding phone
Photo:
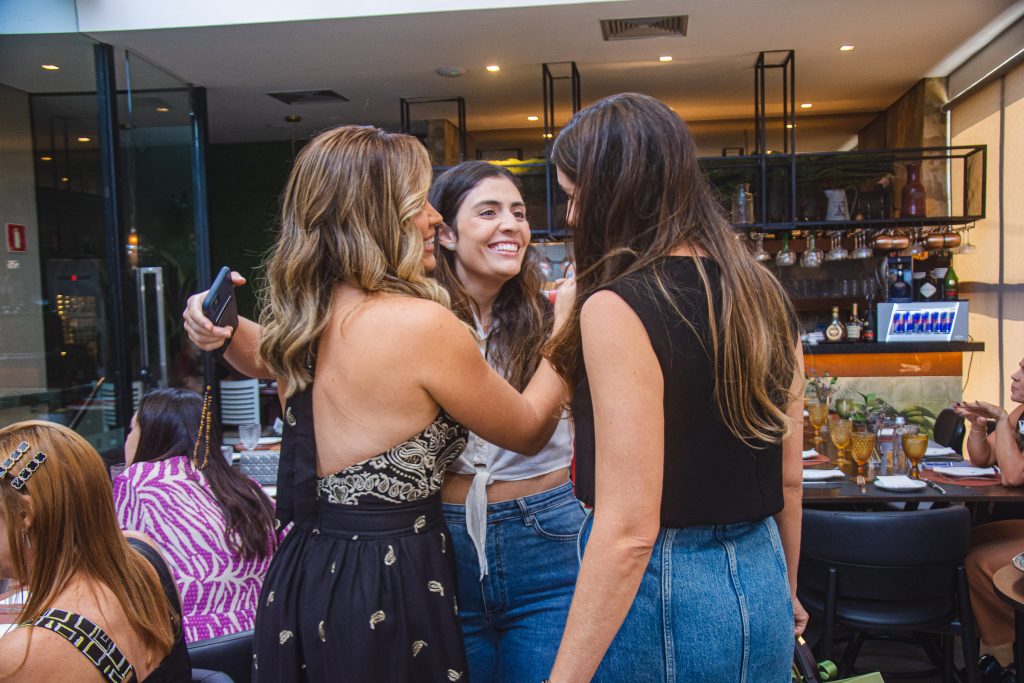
[{"x": 220, "y": 306}]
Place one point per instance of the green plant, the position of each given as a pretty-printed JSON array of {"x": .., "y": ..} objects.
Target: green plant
[{"x": 920, "y": 416}]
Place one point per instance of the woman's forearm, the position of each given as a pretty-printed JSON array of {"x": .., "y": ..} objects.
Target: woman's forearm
[
  {"x": 608, "y": 582},
  {"x": 242, "y": 350},
  {"x": 979, "y": 450}
]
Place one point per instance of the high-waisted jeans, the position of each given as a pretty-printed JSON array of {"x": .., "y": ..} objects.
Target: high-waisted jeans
[
  {"x": 713, "y": 607},
  {"x": 512, "y": 620}
]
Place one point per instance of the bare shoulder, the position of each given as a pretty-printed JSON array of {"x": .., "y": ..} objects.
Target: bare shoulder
[
  {"x": 604, "y": 311},
  {"x": 36, "y": 654},
  {"x": 417, "y": 321}
]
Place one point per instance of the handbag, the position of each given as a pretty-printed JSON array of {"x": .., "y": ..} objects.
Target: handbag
[
  {"x": 807, "y": 669},
  {"x": 261, "y": 466}
]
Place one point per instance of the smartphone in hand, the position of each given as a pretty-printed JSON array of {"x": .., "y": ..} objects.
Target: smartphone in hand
[{"x": 220, "y": 306}]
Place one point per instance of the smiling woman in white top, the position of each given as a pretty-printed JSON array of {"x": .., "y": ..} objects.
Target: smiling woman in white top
[{"x": 513, "y": 518}]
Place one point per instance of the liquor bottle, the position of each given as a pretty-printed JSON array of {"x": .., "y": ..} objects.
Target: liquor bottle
[
  {"x": 899, "y": 290},
  {"x": 867, "y": 335},
  {"x": 854, "y": 326},
  {"x": 836, "y": 331},
  {"x": 926, "y": 287},
  {"x": 950, "y": 284}
]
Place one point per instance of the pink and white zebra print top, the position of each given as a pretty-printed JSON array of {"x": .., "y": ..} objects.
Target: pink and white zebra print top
[{"x": 172, "y": 503}]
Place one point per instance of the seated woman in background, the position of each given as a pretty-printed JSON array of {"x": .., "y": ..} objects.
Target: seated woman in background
[
  {"x": 215, "y": 525},
  {"x": 90, "y": 589},
  {"x": 994, "y": 545}
]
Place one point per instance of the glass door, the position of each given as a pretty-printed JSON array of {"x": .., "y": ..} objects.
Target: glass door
[{"x": 158, "y": 171}]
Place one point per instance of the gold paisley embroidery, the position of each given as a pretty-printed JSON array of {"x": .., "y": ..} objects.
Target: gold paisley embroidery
[
  {"x": 389, "y": 558},
  {"x": 435, "y": 587},
  {"x": 444, "y": 543},
  {"x": 454, "y": 675},
  {"x": 323, "y": 632},
  {"x": 270, "y": 598},
  {"x": 417, "y": 646},
  {"x": 420, "y": 522},
  {"x": 376, "y": 618},
  {"x": 284, "y": 636}
]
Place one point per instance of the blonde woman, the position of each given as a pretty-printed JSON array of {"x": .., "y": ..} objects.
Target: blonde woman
[
  {"x": 382, "y": 381},
  {"x": 100, "y": 607},
  {"x": 684, "y": 357}
]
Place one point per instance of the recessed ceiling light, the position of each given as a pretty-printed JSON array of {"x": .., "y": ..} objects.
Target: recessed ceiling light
[
  {"x": 789, "y": 125},
  {"x": 84, "y": 139},
  {"x": 532, "y": 118},
  {"x": 163, "y": 110},
  {"x": 45, "y": 158},
  {"x": 548, "y": 135},
  {"x": 493, "y": 67},
  {"x": 846, "y": 48},
  {"x": 665, "y": 58},
  {"x": 64, "y": 179},
  {"x": 451, "y": 71},
  {"x": 806, "y": 105},
  {"x": 50, "y": 67}
]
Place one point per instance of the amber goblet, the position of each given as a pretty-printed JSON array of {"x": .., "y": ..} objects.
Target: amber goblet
[
  {"x": 817, "y": 412},
  {"x": 862, "y": 444},
  {"x": 915, "y": 445},
  {"x": 840, "y": 431}
]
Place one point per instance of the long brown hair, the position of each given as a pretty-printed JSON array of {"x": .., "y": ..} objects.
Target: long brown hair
[
  {"x": 168, "y": 423},
  {"x": 640, "y": 194},
  {"x": 346, "y": 218},
  {"x": 520, "y": 321},
  {"x": 74, "y": 530}
]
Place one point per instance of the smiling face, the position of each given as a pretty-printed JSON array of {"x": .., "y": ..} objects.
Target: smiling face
[
  {"x": 491, "y": 233},
  {"x": 427, "y": 221},
  {"x": 1017, "y": 384}
]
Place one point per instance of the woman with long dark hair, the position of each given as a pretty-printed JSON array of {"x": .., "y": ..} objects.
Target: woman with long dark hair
[
  {"x": 685, "y": 363},
  {"x": 513, "y": 517},
  {"x": 215, "y": 525}
]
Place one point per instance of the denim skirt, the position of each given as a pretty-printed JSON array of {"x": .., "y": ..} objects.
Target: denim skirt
[{"x": 713, "y": 606}]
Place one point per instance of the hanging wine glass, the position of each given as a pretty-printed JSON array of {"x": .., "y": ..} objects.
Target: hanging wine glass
[
  {"x": 967, "y": 247},
  {"x": 761, "y": 255},
  {"x": 861, "y": 249},
  {"x": 812, "y": 256},
  {"x": 917, "y": 248},
  {"x": 837, "y": 252},
  {"x": 786, "y": 256}
]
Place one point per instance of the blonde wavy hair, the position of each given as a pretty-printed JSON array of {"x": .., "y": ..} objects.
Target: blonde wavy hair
[{"x": 346, "y": 218}]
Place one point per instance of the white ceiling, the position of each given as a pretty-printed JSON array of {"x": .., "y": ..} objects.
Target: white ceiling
[{"x": 374, "y": 61}]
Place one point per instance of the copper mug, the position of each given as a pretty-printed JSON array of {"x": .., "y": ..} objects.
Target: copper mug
[
  {"x": 887, "y": 242},
  {"x": 942, "y": 240}
]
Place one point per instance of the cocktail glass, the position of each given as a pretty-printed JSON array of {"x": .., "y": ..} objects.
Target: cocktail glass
[
  {"x": 817, "y": 412},
  {"x": 840, "y": 431},
  {"x": 862, "y": 444}
]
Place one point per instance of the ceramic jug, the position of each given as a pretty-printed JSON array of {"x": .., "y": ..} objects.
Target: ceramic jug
[{"x": 838, "y": 209}]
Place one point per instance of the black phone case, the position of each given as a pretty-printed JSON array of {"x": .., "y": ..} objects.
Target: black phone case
[{"x": 220, "y": 306}]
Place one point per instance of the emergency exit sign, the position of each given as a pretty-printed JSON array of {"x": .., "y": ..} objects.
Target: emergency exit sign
[{"x": 16, "y": 238}]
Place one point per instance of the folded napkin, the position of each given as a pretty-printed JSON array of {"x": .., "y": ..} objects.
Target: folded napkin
[
  {"x": 821, "y": 475},
  {"x": 939, "y": 450},
  {"x": 811, "y": 454},
  {"x": 898, "y": 482},
  {"x": 967, "y": 471}
]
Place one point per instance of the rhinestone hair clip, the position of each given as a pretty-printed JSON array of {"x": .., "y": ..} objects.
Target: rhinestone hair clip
[
  {"x": 13, "y": 458},
  {"x": 31, "y": 466}
]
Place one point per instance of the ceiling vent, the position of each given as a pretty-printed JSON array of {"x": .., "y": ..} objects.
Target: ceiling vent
[
  {"x": 307, "y": 96},
  {"x": 644, "y": 27}
]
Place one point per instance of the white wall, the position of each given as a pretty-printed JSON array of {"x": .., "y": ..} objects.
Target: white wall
[
  {"x": 38, "y": 16},
  {"x": 22, "y": 364},
  {"x": 123, "y": 15},
  {"x": 993, "y": 277}
]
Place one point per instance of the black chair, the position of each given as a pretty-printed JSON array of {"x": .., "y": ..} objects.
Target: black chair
[
  {"x": 949, "y": 430},
  {"x": 885, "y": 574},
  {"x": 230, "y": 654}
]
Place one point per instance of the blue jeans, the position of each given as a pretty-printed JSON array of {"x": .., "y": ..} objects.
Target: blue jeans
[
  {"x": 512, "y": 620},
  {"x": 713, "y": 606}
]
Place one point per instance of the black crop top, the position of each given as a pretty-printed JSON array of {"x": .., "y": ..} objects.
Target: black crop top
[{"x": 710, "y": 476}]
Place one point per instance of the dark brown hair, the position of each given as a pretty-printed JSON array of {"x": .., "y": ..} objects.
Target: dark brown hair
[
  {"x": 74, "y": 530},
  {"x": 168, "y": 424},
  {"x": 640, "y": 194},
  {"x": 520, "y": 321}
]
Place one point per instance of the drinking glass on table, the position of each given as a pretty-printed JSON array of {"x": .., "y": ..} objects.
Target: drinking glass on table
[
  {"x": 840, "y": 431},
  {"x": 817, "y": 413},
  {"x": 862, "y": 445},
  {"x": 915, "y": 446},
  {"x": 249, "y": 434}
]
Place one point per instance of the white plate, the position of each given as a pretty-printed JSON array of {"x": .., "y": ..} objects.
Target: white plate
[
  {"x": 821, "y": 475},
  {"x": 810, "y": 454},
  {"x": 966, "y": 471},
  {"x": 267, "y": 440},
  {"x": 899, "y": 482}
]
